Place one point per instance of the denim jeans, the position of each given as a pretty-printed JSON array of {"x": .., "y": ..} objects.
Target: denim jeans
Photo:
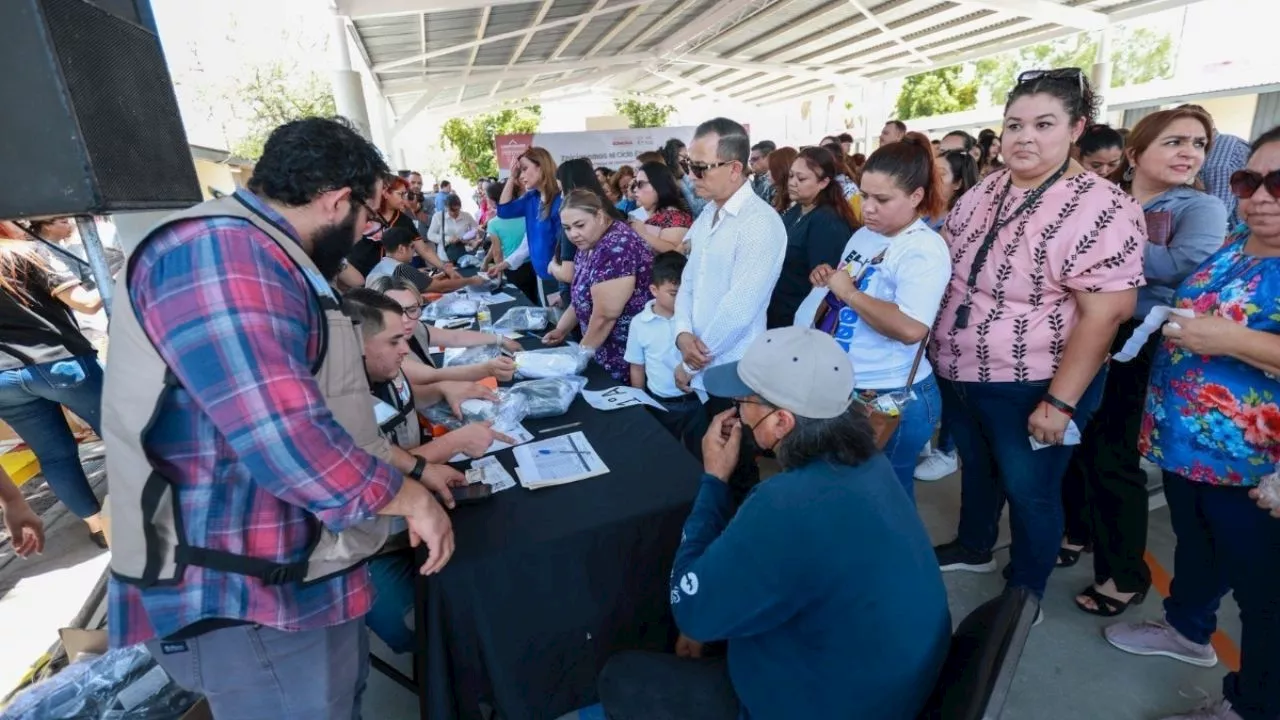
[
  {"x": 989, "y": 424},
  {"x": 31, "y": 400},
  {"x": 655, "y": 686},
  {"x": 389, "y": 618},
  {"x": 251, "y": 672},
  {"x": 1226, "y": 542},
  {"x": 920, "y": 417}
]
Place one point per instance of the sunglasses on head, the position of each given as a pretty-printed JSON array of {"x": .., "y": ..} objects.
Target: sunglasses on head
[
  {"x": 1244, "y": 183},
  {"x": 1072, "y": 75},
  {"x": 699, "y": 170}
]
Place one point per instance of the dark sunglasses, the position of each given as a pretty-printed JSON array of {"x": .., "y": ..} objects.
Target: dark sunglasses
[
  {"x": 637, "y": 184},
  {"x": 1073, "y": 75},
  {"x": 1244, "y": 183},
  {"x": 699, "y": 170}
]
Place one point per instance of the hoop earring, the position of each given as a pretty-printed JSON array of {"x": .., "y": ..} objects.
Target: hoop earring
[{"x": 1128, "y": 174}]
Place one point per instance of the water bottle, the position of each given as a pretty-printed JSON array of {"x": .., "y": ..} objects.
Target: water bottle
[{"x": 484, "y": 318}]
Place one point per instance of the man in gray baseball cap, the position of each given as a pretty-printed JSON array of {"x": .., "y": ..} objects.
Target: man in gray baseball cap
[{"x": 824, "y": 564}]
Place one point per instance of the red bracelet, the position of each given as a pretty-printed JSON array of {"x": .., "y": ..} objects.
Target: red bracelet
[{"x": 1060, "y": 406}]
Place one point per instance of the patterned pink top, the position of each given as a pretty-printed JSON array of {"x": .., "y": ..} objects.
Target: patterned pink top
[{"x": 1083, "y": 234}]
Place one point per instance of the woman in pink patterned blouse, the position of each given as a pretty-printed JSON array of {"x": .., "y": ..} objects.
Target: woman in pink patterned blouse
[{"x": 1047, "y": 259}]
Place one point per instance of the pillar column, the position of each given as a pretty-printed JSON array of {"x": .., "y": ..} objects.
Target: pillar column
[
  {"x": 348, "y": 91},
  {"x": 1101, "y": 75}
]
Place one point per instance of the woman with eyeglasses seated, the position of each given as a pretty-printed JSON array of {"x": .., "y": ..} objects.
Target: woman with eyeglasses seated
[
  {"x": 1213, "y": 426},
  {"x": 818, "y": 226},
  {"x": 668, "y": 217},
  {"x": 392, "y": 210},
  {"x": 454, "y": 231},
  {"x": 623, "y": 185},
  {"x": 1105, "y": 488},
  {"x": 419, "y": 367},
  {"x": 1047, "y": 259},
  {"x": 611, "y": 281}
]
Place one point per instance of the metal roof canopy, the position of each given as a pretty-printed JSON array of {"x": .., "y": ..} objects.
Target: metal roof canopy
[{"x": 457, "y": 57}]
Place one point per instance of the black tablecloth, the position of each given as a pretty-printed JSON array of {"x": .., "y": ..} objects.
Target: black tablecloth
[{"x": 545, "y": 585}]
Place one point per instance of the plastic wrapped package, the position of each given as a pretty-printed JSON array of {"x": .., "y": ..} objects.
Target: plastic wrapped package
[
  {"x": 442, "y": 415},
  {"x": 524, "y": 319},
  {"x": 124, "y": 683},
  {"x": 451, "y": 306},
  {"x": 509, "y": 411},
  {"x": 570, "y": 359},
  {"x": 489, "y": 285},
  {"x": 549, "y": 397},
  {"x": 457, "y": 357}
]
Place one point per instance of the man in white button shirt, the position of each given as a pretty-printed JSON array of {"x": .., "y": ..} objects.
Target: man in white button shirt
[{"x": 737, "y": 245}]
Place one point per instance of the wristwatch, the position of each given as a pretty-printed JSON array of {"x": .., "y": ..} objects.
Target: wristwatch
[{"x": 418, "y": 468}]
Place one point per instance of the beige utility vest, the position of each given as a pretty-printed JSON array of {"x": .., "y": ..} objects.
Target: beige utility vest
[{"x": 147, "y": 541}]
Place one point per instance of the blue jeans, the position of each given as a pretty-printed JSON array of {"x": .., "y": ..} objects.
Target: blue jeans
[
  {"x": 1225, "y": 542},
  {"x": 920, "y": 418},
  {"x": 392, "y": 576},
  {"x": 31, "y": 400},
  {"x": 252, "y": 672},
  {"x": 988, "y": 422}
]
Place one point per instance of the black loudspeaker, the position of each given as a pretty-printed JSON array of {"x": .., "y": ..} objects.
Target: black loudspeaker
[{"x": 90, "y": 122}]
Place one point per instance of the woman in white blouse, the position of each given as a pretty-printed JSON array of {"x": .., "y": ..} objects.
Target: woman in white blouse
[{"x": 453, "y": 231}]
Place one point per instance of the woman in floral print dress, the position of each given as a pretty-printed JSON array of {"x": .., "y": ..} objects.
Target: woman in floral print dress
[{"x": 1212, "y": 424}]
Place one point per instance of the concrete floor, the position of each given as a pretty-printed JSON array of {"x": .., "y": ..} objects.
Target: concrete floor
[{"x": 1068, "y": 671}]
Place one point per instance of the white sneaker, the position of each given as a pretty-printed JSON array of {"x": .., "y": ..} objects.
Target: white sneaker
[{"x": 937, "y": 466}]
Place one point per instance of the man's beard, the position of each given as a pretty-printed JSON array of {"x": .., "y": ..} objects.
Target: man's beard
[{"x": 332, "y": 243}]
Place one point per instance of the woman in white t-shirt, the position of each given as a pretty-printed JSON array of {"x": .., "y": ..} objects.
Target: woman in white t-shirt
[{"x": 880, "y": 303}]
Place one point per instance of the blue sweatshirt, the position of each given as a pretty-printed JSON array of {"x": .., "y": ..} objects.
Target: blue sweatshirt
[
  {"x": 542, "y": 232},
  {"x": 826, "y": 587},
  {"x": 1199, "y": 228}
]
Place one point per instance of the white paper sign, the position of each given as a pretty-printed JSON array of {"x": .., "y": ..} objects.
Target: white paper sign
[
  {"x": 1158, "y": 316},
  {"x": 1070, "y": 436},
  {"x": 518, "y": 433},
  {"x": 619, "y": 397}
]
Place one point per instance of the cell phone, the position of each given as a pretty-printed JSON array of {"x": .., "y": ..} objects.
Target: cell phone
[{"x": 471, "y": 494}]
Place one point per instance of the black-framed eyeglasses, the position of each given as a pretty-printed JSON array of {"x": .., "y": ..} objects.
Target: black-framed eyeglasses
[
  {"x": 637, "y": 184},
  {"x": 413, "y": 312},
  {"x": 1244, "y": 183},
  {"x": 699, "y": 170},
  {"x": 374, "y": 217},
  {"x": 1074, "y": 75}
]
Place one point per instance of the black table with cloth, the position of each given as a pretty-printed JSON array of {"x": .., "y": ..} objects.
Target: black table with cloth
[{"x": 546, "y": 584}]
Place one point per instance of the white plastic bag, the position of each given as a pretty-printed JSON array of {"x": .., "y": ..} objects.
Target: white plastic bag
[
  {"x": 524, "y": 319},
  {"x": 457, "y": 357},
  {"x": 508, "y": 412},
  {"x": 451, "y": 306},
  {"x": 552, "y": 362},
  {"x": 548, "y": 397}
]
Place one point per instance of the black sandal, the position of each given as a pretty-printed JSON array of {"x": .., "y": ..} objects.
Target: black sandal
[
  {"x": 1105, "y": 605},
  {"x": 1068, "y": 557}
]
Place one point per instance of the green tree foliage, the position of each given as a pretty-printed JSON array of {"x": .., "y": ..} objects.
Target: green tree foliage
[
  {"x": 273, "y": 95},
  {"x": 945, "y": 90},
  {"x": 643, "y": 114},
  {"x": 1139, "y": 55},
  {"x": 471, "y": 139}
]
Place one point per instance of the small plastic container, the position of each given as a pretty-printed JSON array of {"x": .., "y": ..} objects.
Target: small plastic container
[{"x": 484, "y": 319}]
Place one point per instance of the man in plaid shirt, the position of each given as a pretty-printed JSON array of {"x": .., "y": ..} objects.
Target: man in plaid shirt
[{"x": 255, "y": 455}]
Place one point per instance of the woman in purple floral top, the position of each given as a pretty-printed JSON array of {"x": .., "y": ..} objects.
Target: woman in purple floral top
[
  {"x": 1212, "y": 425},
  {"x": 610, "y": 281}
]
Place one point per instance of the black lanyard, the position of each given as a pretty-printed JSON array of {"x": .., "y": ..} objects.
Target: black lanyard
[{"x": 989, "y": 241}]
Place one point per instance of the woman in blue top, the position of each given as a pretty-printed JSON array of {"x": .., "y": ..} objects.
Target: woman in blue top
[
  {"x": 540, "y": 208},
  {"x": 1105, "y": 489},
  {"x": 1212, "y": 424}
]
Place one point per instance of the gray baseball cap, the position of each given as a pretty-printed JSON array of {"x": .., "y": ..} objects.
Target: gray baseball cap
[{"x": 794, "y": 368}]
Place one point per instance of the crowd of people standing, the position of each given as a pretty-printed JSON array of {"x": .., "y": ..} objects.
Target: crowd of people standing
[{"x": 775, "y": 300}]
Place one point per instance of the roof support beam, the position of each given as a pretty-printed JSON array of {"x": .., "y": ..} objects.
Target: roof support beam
[
  {"x": 890, "y": 32},
  {"x": 484, "y": 25},
  {"x": 661, "y": 22},
  {"x": 414, "y": 110},
  {"x": 795, "y": 71},
  {"x": 1046, "y": 11},
  {"x": 613, "y": 31},
  {"x": 437, "y": 72},
  {"x": 697, "y": 90},
  {"x": 517, "y": 72},
  {"x": 504, "y": 36},
  {"x": 723, "y": 11},
  {"x": 389, "y": 8}
]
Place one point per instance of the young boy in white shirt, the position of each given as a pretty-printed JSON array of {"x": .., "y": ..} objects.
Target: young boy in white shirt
[{"x": 652, "y": 352}]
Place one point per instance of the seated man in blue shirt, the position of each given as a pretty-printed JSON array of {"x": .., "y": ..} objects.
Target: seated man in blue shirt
[{"x": 823, "y": 583}]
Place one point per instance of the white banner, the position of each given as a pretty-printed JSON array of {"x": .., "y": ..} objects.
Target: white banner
[{"x": 608, "y": 148}]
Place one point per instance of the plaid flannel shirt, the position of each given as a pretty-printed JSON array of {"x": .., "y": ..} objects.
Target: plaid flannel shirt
[
  {"x": 1228, "y": 154},
  {"x": 253, "y": 450}
]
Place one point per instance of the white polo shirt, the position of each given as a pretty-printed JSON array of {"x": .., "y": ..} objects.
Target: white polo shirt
[{"x": 652, "y": 343}]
